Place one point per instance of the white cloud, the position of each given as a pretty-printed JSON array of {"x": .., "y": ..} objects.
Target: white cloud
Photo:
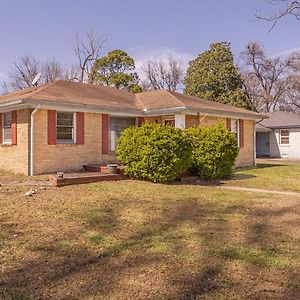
[
  {"x": 141, "y": 56},
  {"x": 287, "y": 52}
]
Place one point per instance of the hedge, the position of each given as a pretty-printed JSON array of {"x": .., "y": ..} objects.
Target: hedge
[
  {"x": 155, "y": 152},
  {"x": 214, "y": 152}
]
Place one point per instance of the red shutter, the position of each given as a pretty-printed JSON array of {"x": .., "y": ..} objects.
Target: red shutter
[
  {"x": 241, "y": 133},
  {"x": 51, "y": 127},
  {"x": 14, "y": 127},
  {"x": 228, "y": 124},
  {"x": 141, "y": 120},
  {"x": 1, "y": 128},
  {"x": 104, "y": 134},
  {"x": 79, "y": 128}
]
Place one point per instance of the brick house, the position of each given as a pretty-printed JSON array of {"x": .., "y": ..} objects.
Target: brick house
[{"x": 63, "y": 125}]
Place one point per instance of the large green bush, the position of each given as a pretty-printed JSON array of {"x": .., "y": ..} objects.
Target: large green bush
[
  {"x": 155, "y": 152},
  {"x": 214, "y": 152}
]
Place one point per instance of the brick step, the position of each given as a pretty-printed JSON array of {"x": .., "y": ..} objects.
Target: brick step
[
  {"x": 82, "y": 178},
  {"x": 100, "y": 168}
]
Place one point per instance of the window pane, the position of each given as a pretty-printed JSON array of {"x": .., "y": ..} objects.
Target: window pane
[
  {"x": 7, "y": 117},
  {"x": 7, "y": 120},
  {"x": 169, "y": 122},
  {"x": 6, "y": 135},
  {"x": 65, "y": 126},
  {"x": 234, "y": 126},
  {"x": 65, "y": 119},
  {"x": 284, "y": 137},
  {"x": 116, "y": 125}
]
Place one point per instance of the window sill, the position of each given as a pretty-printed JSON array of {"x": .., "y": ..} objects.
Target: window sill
[
  {"x": 65, "y": 143},
  {"x": 285, "y": 145},
  {"x": 6, "y": 145}
]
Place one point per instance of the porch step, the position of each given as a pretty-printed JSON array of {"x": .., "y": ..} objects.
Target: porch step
[
  {"x": 82, "y": 178},
  {"x": 99, "y": 168}
]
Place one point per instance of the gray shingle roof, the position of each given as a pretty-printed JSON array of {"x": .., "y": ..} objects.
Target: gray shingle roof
[{"x": 281, "y": 119}]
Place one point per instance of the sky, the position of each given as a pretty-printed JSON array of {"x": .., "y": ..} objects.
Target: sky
[{"x": 144, "y": 28}]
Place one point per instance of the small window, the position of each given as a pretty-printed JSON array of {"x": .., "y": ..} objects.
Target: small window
[
  {"x": 65, "y": 132},
  {"x": 235, "y": 129},
  {"x": 116, "y": 126},
  {"x": 284, "y": 137},
  {"x": 7, "y": 119}
]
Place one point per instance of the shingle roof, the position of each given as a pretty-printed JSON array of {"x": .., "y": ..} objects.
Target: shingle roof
[
  {"x": 281, "y": 119},
  {"x": 66, "y": 92}
]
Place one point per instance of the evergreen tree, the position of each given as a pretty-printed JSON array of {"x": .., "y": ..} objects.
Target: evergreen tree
[
  {"x": 116, "y": 69},
  {"x": 213, "y": 76}
]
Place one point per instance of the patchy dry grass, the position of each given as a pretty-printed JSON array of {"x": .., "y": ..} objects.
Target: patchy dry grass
[
  {"x": 273, "y": 175},
  {"x": 137, "y": 240}
]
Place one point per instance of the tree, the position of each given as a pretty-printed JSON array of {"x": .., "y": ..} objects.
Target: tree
[
  {"x": 292, "y": 99},
  {"x": 24, "y": 70},
  {"x": 160, "y": 75},
  {"x": 51, "y": 70},
  {"x": 213, "y": 76},
  {"x": 87, "y": 50},
  {"x": 26, "y": 67},
  {"x": 116, "y": 69},
  {"x": 266, "y": 80},
  {"x": 289, "y": 8}
]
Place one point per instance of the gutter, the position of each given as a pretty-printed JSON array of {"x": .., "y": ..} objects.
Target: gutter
[
  {"x": 68, "y": 106},
  {"x": 32, "y": 141}
]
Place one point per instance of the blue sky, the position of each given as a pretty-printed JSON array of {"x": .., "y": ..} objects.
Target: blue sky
[{"x": 143, "y": 28}]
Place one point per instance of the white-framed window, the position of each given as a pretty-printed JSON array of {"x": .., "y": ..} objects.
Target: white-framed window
[
  {"x": 116, "y": 125},
  {"x": 284, "y": 137},
  {"x": 235, "y": 129},
  {"x": 65, "y": 127},
  {"x": 6, "y": 128}
]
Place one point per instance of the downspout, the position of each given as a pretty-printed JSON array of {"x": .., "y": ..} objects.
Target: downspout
[
  {"x": 254, "y": 145},
  {"x": 32, "y": 140}
]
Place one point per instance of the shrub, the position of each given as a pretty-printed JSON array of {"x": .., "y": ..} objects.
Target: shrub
[
  {"x": 155, "y": 152},
  {"x": 214, "y": 152}
]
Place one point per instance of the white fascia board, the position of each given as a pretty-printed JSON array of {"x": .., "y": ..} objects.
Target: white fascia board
[
  {"x": 163, "y": 111},
  {"x": 72, "y": 107},
  {"x": 218, "y": 113},
  {"x": 51, "y": 105}
]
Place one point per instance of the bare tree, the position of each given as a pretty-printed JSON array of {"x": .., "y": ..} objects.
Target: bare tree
[
  {"x": 71, "y": 73},
  {"x": 161, "y": 75},
  {"x": 4, "y": 88},
  {"x": 51, "y": 70},
  {"x": 87, "y": 49},
  {"x": 27, "y": 67},
  {"x": 24, "y": 70},
  {"x": 266, "y": 80},
  {"x": 292, "y": 101},
  {"x": 289, "y": 8}
]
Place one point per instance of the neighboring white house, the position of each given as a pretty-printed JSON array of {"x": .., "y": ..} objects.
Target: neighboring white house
[{"x": 278, "y": 136}]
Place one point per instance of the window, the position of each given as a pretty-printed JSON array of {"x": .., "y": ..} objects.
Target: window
[
  {"x": 116, "y": 125},
  {"x": 65, "y": 132},
  {"x": 284, "y": 137},
  {"x": 235, "y": 129},
  {"x": 7, "y": 120},
  {"x": 170, "y": 122}
]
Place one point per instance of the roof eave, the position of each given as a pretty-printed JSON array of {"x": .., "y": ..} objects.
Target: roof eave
[
  {"x": 229, "y": 114},
  {"x": 51, "y": 105}
]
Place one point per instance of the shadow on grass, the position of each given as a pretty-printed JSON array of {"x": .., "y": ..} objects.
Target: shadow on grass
[{"x": 180, "y": 253}]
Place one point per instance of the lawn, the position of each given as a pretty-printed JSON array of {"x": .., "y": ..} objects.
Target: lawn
[
  {"x": 269, "y": 174},
  {"x": 138, "y": 240}
]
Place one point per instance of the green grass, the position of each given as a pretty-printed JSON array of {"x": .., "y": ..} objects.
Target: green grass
[
  {"x": 264, "y": 257},
  {"x": 138, "y": 240},
  {"x": 273, "y": 176}
]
